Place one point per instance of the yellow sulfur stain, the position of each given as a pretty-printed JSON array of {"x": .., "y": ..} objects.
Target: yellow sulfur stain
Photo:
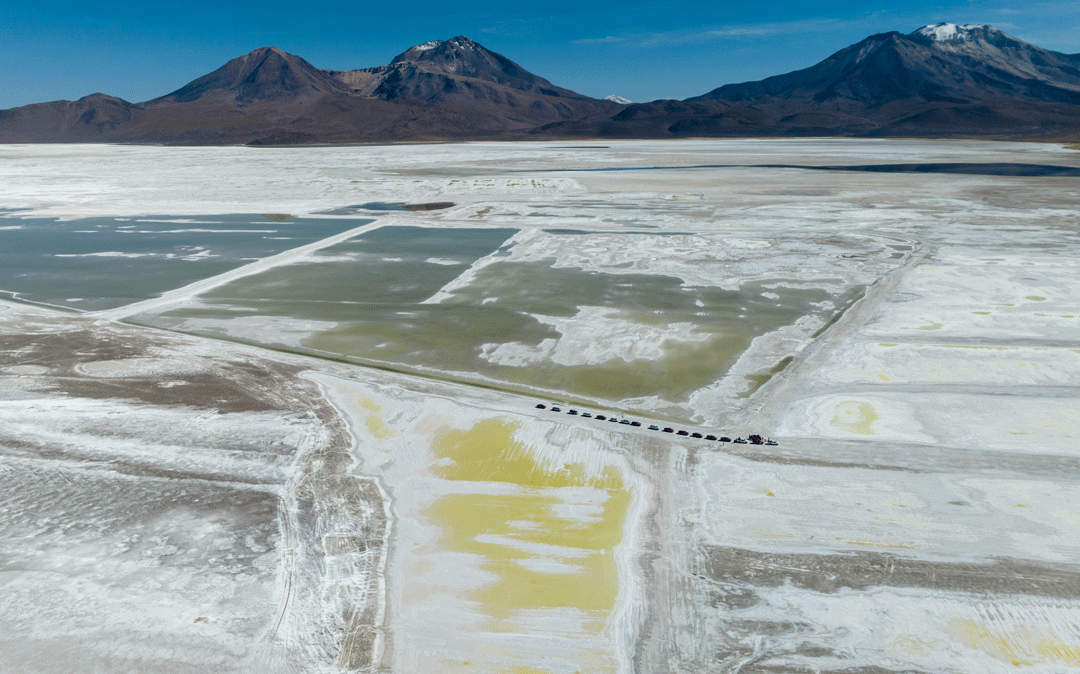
[
  {"x": 765, "y": 532},
  {"x": 369, "y": 404},
  {"x": 913, "y": 645},
  {"x": 874, "y": 544},
  {"x": 932, "y": 326},
  {"x": 377, "y": 428},
  {"x": 1020, "y": 646},
  {"x": 542, "y": 553},
  {"x": 897, "y": 520},
  {"x": 981, "y": 313},
  {"x": 854, "y": 417},
  {"x": 488, "y": 452}
]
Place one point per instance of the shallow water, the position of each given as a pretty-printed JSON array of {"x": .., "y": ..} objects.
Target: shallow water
[
  {"x": 608, "y": 336},
  {"x": 386, "y": 266},
  {"x": 963, "y": 168},
  {"x": 501, "y": 306},
  {"x": 100, "y": 263}
]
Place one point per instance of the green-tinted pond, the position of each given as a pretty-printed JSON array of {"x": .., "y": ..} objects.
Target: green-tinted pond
[
  {"x": 611, "y": 336},
  {"x": 101, "y": 263}
]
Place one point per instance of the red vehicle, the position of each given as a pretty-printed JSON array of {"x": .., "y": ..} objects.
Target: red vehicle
[{"x": 669, "y": 429}]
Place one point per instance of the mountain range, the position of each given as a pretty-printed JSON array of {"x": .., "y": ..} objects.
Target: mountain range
[{"x": 943, "y": 80}]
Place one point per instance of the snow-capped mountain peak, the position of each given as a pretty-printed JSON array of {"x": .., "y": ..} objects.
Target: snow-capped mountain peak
[
  {"x": 618, "y": 99},
  {"x": 951, "y": 32}
]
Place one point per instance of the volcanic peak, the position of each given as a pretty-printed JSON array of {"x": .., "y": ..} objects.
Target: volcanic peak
[
  {"x": 425, "y": 52},
  {"x": 951, "y": 32},
  {"x": 265, "y": 73}
]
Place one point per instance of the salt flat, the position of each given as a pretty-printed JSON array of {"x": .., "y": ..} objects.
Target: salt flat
[{"x": 331, "y": 460}]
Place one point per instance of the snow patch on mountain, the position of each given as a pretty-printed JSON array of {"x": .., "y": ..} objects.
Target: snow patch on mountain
[
  {"x": 949, "y": 32},
  {"x": 461, "y": 43},
  {"x": 618, "y": 99}
]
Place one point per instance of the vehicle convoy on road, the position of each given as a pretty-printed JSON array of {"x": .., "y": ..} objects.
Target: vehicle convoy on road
[{"x": 754, "y": 438}]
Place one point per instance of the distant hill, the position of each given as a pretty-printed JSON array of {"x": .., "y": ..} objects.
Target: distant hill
[
  {"x": 943, "y": 80},
  {"x": 89, "y": 119},
  {"x": 940, "y": 80}
]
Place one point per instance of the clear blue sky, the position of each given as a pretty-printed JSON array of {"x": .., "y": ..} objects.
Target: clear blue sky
[{"x": 640, "y": 50}]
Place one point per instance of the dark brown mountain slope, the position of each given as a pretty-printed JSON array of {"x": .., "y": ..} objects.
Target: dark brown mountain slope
[
  {"x": 942, "y": 80},
  {"x": 440, "y": 90},
  {"x": 88, "y": 119},
  {"x": 939, "y": 81},
  {"x": 462, "y": 72},
  {"x": 265, "y": 74},
  {"x": 934, "y": 64}
]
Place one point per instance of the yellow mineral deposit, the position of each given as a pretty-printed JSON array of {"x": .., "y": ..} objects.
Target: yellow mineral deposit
[
  {"x": 914, "y": 645},
  {"x": 854, "y": 417},
  {"x": 374, "y": 423},
  {"x": 876, "y": 544},
  {"x": 549, "y": 546},
  {"x": 376, "y": 427},
  {"x": 1020, "y": 646}
]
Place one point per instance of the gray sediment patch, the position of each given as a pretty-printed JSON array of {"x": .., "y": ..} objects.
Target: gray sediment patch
[{"x": 748, "y": 569}]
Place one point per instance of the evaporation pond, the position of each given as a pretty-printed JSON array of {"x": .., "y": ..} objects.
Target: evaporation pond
[
  {"x": 102, "y": 263},
  {"x": 388, "y": 266},
  {"x": 401, "y": 295}
]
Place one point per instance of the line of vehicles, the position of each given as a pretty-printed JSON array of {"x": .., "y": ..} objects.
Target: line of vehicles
[{"x": 754, "y": 439}]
